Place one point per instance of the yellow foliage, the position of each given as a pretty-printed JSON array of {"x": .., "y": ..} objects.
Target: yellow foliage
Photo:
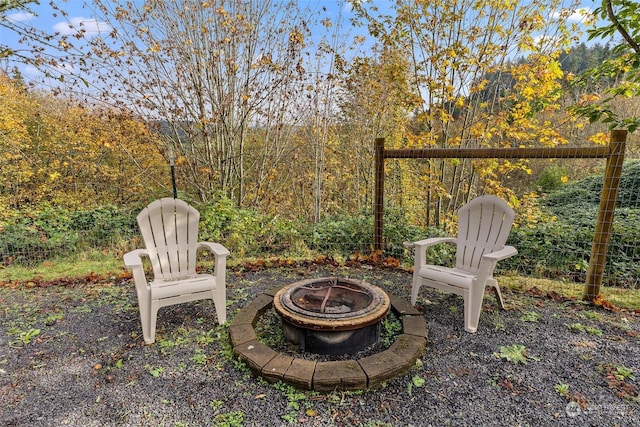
[
  {"x": 599, "y": 138},
  {"x": 69, "y": 155}
]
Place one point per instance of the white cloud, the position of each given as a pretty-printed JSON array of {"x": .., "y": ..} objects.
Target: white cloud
[
  {"x": 90, "y": 27},
  {"x": 574, "y": 15},
  {"x": 31, "y": 71},
  {"x": 20, "y": 17},
  {"x": 582, "y": 14}
]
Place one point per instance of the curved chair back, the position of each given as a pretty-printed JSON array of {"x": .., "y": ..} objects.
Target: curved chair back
[
  {"x": 169, "y": 228},
  {"x": 483, "y": 227}
]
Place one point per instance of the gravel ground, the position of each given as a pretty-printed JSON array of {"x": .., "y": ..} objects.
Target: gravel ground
[{"x": 72, "y": 354}]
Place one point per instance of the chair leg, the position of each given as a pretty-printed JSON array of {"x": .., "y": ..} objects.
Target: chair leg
[
  {"x": 416, "y": 283},
  {"x": 415, "y": 287},
  {"x": 496, "y": 286},
  {"x": 219, "y": 294},
  {"x": 500, "y": 300},
  {"x": 472, "y": 309},
  {"x": 220, "y": 302},
  {"x": 150, "y": 334},
  {"x": 144, "y": 305}
]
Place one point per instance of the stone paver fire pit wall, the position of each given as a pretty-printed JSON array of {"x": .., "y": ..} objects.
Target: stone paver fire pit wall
[{"x": 356, "y": 374}]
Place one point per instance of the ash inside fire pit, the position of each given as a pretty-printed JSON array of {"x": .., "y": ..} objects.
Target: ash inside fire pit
[
  {"x": 331, "y": 297},
  {"x": 332, "y": 315}
]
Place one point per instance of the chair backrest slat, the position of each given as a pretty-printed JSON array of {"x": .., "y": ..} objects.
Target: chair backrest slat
[
  {"x": 483, "y": 227},
  {"x": 169, "y": 228}
]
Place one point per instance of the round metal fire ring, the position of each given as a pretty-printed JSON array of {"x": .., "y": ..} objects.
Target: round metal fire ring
[{"x": 332, "y": 315}]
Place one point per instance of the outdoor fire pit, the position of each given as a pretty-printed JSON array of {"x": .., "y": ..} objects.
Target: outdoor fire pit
[{"x": 332, "y": 315}]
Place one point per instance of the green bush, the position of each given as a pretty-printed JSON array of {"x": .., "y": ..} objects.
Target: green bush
[
  {"x": 51, "y": 232},
  {"x": 105, "y": 226},
  {"x": 246, "y": 232},
  {"x": 561, "y": 247},
  {"x": 341, "y": 233},
  {"x": 551, "y": 178},
  {"x": 557, "y": 245},
  {"x": 346, "y": 234},
  {"x": 589, "y": 190}
]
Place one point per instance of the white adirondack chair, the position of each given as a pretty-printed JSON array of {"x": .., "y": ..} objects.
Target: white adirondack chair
[
  {"x": 169, "y": 228},
  {"x": 483, "y": 227}
]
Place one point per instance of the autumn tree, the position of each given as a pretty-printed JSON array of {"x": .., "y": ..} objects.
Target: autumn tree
[
  {"x": 213, "y": 74},
  {"x": 55, "y": 151},
  {"x": 622, "y": 18},
  {"x": 454, "y": 46},
  {"x": 377, "y": 100},
  {"x": 54, "y": 54}
]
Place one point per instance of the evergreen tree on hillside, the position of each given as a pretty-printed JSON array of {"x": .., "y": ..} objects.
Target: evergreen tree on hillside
[
  {"x": 581, "y": 57},
  {"x": 576, "y": 64}
]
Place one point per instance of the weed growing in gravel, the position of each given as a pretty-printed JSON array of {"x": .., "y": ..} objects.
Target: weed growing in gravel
[
  {"x": 593, "y": 331},
  {"x": 623, "y": 373},
  {"x": 391, "y": 327},
  {"x": 81, "y": 309},
  {"x": 220, "y": 337},
  {"x": 416, "y": 381},
  {"x": 230, "y": 419},
  {"x": 167, "y": 344},
  {"x": 619, "y": 379},
  {"x": 54, "y": 318},
  {"x": 294, "y": 398},
  {"x": 216, "y": 404},
  {"x": 516, "y": 353},
  {"x": 497, "y": 321},
  {"x": 118, "y": 298},
  {"x": 592, "y": 315},
  {"x": 199, "y": 358},
  {"x": 24, "y": 337},
  {"x": 562, "y": 389},
  {"x": 530, "y": 316},
  {"x": 239, "y": 295},
  {"x": 206, "y": 338},
  {"x": 579, "y": 327},
  {"x": 155, "y": 371}
]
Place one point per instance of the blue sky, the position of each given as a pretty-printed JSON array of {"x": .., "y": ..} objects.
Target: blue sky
[{"x": 79, "y": 15}]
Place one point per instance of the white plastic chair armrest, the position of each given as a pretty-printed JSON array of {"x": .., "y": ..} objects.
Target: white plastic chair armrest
[
  {"x": 506, "y": 252},
  {"x": 430, "y": 242},
  {"x": 133, "y": 261},
  {"x": 216, "y": 248},
  {"x": 489, "y": 261},
  {"x": 220, "y": 254},
  {"x": 134, "y": 258},
  {"x": 420, "y": 253}
]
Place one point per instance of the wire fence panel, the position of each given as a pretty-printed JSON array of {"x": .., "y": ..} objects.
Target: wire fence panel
[
  {"x": 554, "y": 231},
  {"x": 579, "y": 240}
]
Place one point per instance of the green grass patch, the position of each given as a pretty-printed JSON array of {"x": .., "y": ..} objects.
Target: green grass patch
[
  {"x": 622, "y": 298},
  {"x": 78, "y": 266}
]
